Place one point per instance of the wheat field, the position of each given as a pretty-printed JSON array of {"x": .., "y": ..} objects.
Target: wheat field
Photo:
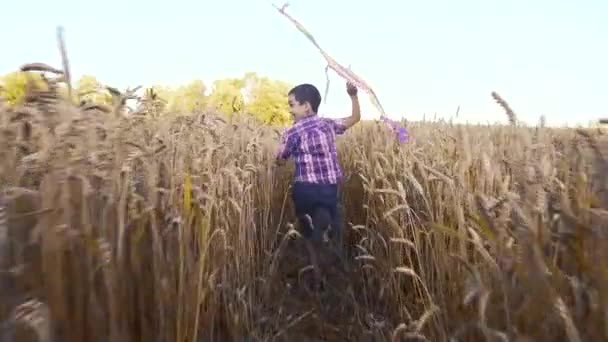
[{"x": 180, "y": 228}]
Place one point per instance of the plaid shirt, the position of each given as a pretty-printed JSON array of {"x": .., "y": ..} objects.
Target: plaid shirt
[{"x": 312, "y": 143}]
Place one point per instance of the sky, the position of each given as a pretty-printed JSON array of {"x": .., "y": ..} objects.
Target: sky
[{"x": 422, "y": 58}]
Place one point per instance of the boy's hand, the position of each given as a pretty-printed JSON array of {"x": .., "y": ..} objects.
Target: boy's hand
[{"x": 351, "y": 89}]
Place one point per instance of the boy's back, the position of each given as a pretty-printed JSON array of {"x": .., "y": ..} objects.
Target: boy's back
[{"x": 312, "y": 144}]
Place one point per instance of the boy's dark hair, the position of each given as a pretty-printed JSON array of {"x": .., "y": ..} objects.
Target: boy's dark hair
[{"x": 307, "y": 93}]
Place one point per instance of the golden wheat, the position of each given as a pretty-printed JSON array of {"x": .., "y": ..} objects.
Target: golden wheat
[{"x": 179, "y": 227}]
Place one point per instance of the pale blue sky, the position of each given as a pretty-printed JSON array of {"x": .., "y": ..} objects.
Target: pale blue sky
[{"x": 544, "y": 57}]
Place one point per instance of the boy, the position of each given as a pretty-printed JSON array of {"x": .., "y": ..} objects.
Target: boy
[{"x": 311, "y": 141}]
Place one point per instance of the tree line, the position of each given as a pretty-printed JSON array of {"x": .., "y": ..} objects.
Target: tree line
[{"x": 258, "y": 96}]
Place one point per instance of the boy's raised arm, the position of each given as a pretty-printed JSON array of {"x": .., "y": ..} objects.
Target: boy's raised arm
[{"x": 355, "y": 116}]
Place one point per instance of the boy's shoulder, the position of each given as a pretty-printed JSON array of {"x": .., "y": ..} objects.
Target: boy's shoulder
[
  {"x": 313, "y": 122},
  {"x": 337, "y": 124},
  {"x": 322, "y": 120}
]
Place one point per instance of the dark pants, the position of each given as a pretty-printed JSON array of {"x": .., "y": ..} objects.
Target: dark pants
[{"x": 320, "y": 202}]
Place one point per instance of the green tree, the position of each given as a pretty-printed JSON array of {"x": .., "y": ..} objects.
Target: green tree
[
  {"x": 226, "y": 95},
  {"x": 89, "y": 89},
  {"x": 261, "y": 97},
  {"x": 188, "y": 98},
  {"x": 14, "y": 84},
  {"x": 266, "y": 99}
]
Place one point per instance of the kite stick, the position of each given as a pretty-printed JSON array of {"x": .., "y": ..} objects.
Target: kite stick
[{"x": 346, "y": 74}]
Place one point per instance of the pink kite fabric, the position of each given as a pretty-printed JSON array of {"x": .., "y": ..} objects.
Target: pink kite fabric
[{"x": 348, "y": 75}]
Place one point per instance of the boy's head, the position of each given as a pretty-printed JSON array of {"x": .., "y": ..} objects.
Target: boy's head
[{"x": 304, "y": 100}]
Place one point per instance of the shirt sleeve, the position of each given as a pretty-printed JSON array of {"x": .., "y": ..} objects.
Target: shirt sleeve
[
  {"x": 338, "y": 125},
  {"x": 289, "y": 142}
]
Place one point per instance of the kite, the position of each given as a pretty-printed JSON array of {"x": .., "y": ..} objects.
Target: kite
[{"x": 348, "y": 75}]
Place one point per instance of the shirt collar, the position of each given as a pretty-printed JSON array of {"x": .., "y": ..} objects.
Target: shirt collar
[{"x": 308, "y": 118}]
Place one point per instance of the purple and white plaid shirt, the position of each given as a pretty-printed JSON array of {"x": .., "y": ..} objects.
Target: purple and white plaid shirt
[{"x": 312, "y": 143}]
